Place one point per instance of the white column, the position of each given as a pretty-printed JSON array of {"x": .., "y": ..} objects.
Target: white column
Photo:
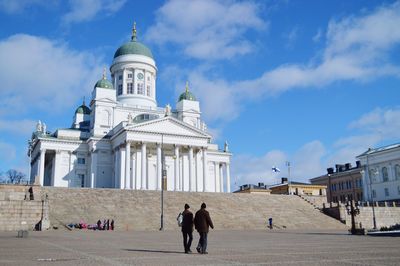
[
  {"x": 159, "y": 166},
  {"x": 205, "y": 169},
  {"x": 133, "y": 169},
  {"x": 196, "y": 173},
  {"x": 121, "y": 167},
  {"x": 190, "y": 167},
  {"x": 93, "y": 168},
  {"x": 127, "y": 165},
  {"x": 144, "y": 184},
  {"x": 216, "y": 171},
  {"x": 228, "y": 179},
  {"x": 124, "y": 87},
  {"x": 221, "y": 178},
  {"x": 116, "y": 153},
  {"x": 41, "y": 169},
  {"x": 138, "y": 173},
  {"x": 176, "y": 161}
]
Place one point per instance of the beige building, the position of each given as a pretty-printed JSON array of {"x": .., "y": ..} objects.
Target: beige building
[{"x": 298, "y": 188}]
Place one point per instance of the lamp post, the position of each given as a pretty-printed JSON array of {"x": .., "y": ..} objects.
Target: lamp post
[
  {"x": 163, "y": 176},
  {"x": 353, "y": 211},
  {"x": 370, "y": 188}
]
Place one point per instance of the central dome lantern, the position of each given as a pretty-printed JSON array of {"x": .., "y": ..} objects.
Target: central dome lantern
[{"x": 133, "y": 74}]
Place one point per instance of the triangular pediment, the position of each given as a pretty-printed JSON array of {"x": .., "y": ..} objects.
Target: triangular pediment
[{"x": 168, "y": 125}]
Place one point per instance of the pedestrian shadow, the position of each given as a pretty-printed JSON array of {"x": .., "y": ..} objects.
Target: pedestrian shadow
[{"x": 155, "y": 251}]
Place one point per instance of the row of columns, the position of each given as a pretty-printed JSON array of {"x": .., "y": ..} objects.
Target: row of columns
[{"x": 125, "y": 174}]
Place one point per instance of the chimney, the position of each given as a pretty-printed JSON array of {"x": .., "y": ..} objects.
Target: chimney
[
  {"x": 347, "y": 166},
  {"x": 358, "y": 164},
  {"x": 284, "y": 180},
  {"x": 260, "y": 184},
  {"x": 330, "y": 170}
]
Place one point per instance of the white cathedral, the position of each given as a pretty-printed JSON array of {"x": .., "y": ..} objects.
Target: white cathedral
[{"x": 125, "y": 141}]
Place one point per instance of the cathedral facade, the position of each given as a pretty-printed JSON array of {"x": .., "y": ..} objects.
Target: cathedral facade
[{"x": 124, "y": 140}]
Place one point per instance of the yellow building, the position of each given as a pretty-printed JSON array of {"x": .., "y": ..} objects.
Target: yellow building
[{"x": 298, "y": 188}]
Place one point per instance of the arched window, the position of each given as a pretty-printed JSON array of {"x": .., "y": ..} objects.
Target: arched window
[
  {"x": 385, "y": 175},
  {"x": 397, "y": 171}
]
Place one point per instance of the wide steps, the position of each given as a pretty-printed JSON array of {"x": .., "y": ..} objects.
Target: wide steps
[{"x": 140, "y": 210}]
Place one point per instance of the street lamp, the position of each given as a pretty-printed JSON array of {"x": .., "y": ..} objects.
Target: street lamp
[
  {"x": 353, "y": 211},
  {"x": 163, "y": 177},
  {"x": 374, "y": 172}
]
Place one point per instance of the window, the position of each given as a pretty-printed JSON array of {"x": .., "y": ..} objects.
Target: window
[
  {"x": 130, "y": 75},
  {"x": 373, "y": 193},
  {"x": 119, "y": 89},
  {"x": 398, "y": 190},
  {"x": 120, "y": 77},
  {"x": 386, "y": 192},
  {"x": 385, "y": 175},
  {"x": 140, "y": 89},
  {"x": 130, "y": 88},
  {"x": 397, "y": 172},
  {"x": 81, "y": 160},
  {"x": 148, "y": 90}
]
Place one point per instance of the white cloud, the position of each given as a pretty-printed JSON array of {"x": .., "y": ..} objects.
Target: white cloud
[
  {"x": 357, "y": 49},
  {"x": 38, "y": 73},
  {"x": 317, "y": 37},
  {"x": 19, "y": 127},
  {"x": 379, "y": 125},
  {"x": 313, "y": 158},
  {"x": 207, "y": 29},
  {"x": 249, "y": 169},
  {"x": 291, "y": 37},
  {"x": 86, "y": 10}
]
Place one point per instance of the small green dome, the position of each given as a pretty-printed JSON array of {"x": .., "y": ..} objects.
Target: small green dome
[
  {"x": 104, "y": 83},
  {"x": 133, "y": 47},
  {"x": 83, "y": 109},
  {"x": 187, "y": 95}
]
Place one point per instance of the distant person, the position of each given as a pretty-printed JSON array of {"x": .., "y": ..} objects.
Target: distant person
[
  {"x": 270, "y": 223},
  {"x": 202, "y": 222},
  {"x": 98, "y": 225},
  {"x": 108, "y": 224},
  {"x": 30, "y": 190},
  {"x": 187, "y": 228},
  {"x": 112, "y": 224}
]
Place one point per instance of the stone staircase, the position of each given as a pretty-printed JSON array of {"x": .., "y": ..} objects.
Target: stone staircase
[
  {"x": 316, "y": 201},
  {"x": 140, "y": 210},
  {"x": 16, "y": 212}
]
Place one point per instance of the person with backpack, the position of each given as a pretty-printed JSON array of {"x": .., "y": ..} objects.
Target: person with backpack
[
  {"x": 202, "y": 222},
  {"x": 185, "y": 219}
]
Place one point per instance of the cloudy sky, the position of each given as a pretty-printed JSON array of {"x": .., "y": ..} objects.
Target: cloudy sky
[{"x": 310, "y": 82}]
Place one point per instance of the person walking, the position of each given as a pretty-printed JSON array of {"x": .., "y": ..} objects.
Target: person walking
[
  {"x": 187, "y": 228},
  {"x": 202, "y": 222}
]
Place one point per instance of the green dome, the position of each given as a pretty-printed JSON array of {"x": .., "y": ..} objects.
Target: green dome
[
  {"x": 83, "y": 109},
  {"x": 104, "y": 83},
  {"x": 133, "y": 47},
  {"x": 187, "y": 95}
]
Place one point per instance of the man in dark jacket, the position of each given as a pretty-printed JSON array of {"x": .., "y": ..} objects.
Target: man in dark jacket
[
  {"x": 202, "y": 222},
  {"x": 187, "y": 228}
]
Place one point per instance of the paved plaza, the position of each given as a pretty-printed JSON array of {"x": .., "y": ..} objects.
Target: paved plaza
[{"x": 81, "y": 247}]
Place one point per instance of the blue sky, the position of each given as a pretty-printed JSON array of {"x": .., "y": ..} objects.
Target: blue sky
[{"x": 310, "y": 82}]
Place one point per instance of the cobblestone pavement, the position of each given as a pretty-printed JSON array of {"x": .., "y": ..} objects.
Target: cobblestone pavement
[{"x": 286, "y": 247}]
